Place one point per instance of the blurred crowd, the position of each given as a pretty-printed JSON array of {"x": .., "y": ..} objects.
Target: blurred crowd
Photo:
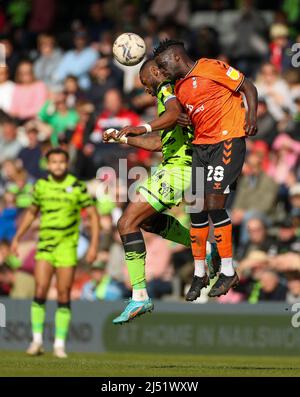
[{"x": 61, "y": 86}]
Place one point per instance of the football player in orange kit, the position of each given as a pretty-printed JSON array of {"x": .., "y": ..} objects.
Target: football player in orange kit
[{"x": 210, "y": 92}]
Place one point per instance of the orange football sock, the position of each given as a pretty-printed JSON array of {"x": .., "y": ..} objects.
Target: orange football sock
[
  {"x": 223, "y": 237},
  {"x": 199, "y": 237}
]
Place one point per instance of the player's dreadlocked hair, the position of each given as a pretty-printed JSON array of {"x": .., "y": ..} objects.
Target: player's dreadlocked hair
[{"x": 165, "y": 45}]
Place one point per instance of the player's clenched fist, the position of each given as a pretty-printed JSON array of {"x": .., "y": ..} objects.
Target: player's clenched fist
[{"x": 251, "y": 125}]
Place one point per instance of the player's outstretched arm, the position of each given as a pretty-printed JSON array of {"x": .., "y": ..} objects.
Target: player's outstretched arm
[
  {"x": 167, "y": 120},
  {"x": 94, "y": 225},
  {"x": 151, "y": 141},
  {"x": 29, "y": 217},
  {"x": 250, "y": 92}
]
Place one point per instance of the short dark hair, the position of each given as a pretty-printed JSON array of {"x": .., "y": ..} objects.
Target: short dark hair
[
  {"x": 57, "y": 150},
  {"x": 164, "y": 45},
  {"x": 145, "y": 63}
]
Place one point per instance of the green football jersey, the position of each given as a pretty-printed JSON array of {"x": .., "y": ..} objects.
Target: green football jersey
[
  {"x": 176, "y": 142},
  {"x": 60, "y": 204}
]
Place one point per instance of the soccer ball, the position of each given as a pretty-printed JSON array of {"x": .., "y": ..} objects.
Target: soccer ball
[{"x": 129, "y": 49}]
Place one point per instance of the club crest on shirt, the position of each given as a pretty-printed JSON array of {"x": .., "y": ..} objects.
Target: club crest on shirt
[
  {"x": 167, "y": 90},
  {"x": 233, "y": 73},
  {"x": 69, "y": 189}
]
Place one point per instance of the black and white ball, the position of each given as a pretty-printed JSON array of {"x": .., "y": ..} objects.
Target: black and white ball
[{"x": 129, "y": 49}]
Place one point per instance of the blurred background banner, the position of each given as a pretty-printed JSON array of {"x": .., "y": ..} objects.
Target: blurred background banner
[{"x": 264, "y": 329}]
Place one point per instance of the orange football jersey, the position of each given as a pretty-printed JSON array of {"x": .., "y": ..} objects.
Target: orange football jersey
[{"x": 209, "y": 94}]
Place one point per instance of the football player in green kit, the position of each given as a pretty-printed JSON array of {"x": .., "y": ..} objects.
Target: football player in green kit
[
  {"x": 59, "y": 199},
  {"x": 161, "y": 191}
]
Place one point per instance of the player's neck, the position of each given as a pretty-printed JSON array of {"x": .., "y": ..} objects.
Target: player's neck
[
  {"x": 188, "y": 67},
  {"x": 59, "y": 179}
]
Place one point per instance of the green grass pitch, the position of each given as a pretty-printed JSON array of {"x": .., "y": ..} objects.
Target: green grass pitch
[{"x": 126, "y": 364}]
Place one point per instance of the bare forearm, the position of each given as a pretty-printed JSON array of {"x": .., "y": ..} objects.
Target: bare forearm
[
  {"x": 250, "y": 92},
  {"x": 29, "y": 217},
  {"x": 165, "y": 121},
  {"x": 149, "y": 142},
  {"x": 94, "y": 222}
]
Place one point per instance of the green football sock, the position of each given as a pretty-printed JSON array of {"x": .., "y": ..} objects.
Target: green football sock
[
  {"x": 171, "y": 229},
  {"x": 135, "y": 254},
  {"x": 38, "y": 312},
  {"x": 62, "y": 322}
]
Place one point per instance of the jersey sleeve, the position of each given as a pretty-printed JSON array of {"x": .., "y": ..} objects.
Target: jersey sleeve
[
  {"x": 85, "y": 200},
  {"x": 166, "y": 92},
  {"x": 220, "y": 72},
  {"x": 36, "y": 196}
]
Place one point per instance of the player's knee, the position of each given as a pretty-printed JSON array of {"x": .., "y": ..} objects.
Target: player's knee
[
  {"x": 41, "y": 291},
  {"x": 126, "y": 223},
  {"x": 64, "y": 294}
]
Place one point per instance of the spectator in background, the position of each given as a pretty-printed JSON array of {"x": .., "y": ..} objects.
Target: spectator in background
[
  {"x": 266, "y": 124},
  {"x": 78, "y": 62},
  {"x": 7, "y": 257},
  {"x": 275, "y": 91},
  {"x": 140, "y": 101},
  {"x": 8, "y": 217},
  {"x": 284, "y": 158},
  {"x": 56, "y": 114},
  {"x": 72, "y": 91},
  {"x": 292, "y": 77},
  {"x": 176, "y": 10},
  {"x": 294, "y": 198},
  {"x": 22, "y": 187},
  {"x": 6, "y": 89},
  {"x": 104, "y": 79},
  {"x": 256, "y": 194},
  {"x": 9, "y": 141},
  {"x": 101, "y": 286},
  {"x": 129, "y": 18},
  {"x": 250, "y": 45},
  {"x": 258, "y": 238},
  {"x": 114, "y": 115},
  {"x": 269, "y": 288},
  {"x": 97, "y": 22},
  {"x": 42, "y": 15},
  {"x": 287, "y": 241},
  {"x": 48, "y": 60},
  {"x": 151, "y": 28},
  {"x": 84, "y": 166},
  {"x": 29, "y": 94},
  {"x": 293, "y": 124},
  {"x": 12, "y": 56},
  {"x": 293, "y": 284},
  {"x": 279, "y": 46},
  {"x": 31, "y": 155},
  {"x": 17, "y": 283}
]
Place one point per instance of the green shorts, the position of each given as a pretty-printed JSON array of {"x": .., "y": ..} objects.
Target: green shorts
[
  {"x": 166, "y": 187},
  {"x": 62, "y": 255}
]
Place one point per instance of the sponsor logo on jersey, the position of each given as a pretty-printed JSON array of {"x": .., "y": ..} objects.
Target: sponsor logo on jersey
[
  {"x": 167, "y": 90},
  {"x": 233, "y": 73}
]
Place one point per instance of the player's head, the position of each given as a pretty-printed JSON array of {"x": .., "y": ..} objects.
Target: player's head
[
  {"x": 151, "y": 76},
  {"x": 57, "y": 162},
  {"x": 171, "y": 58}
]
